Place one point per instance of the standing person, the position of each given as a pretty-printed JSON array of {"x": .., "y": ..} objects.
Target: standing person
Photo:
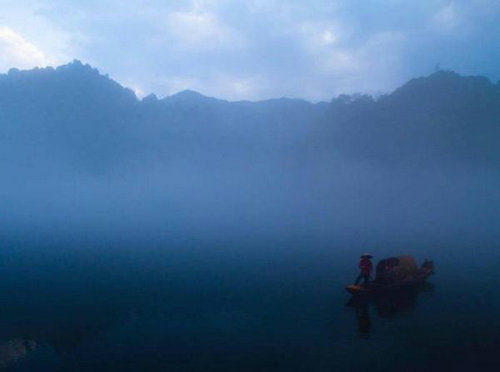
[{"x": 366, "y": 267}]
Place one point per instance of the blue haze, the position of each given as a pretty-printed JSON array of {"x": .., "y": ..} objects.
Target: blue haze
[
  {"x": 193, "y": 233},
  {"x": 81, "y": 152}
]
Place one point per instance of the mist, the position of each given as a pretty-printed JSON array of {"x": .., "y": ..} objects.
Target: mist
[
  {"x": 83, "y": 158},
  {"x": 194, "y": 233}
]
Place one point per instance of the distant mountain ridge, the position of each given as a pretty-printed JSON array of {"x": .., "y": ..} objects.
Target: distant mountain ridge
[
  {"x": 442, "y": 116},
  {"x": 75, "y": 115},
  {"x": 77, "y": 69}
]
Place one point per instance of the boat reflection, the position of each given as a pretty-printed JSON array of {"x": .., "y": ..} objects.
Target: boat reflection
[
  {"x": 388, "y": 306},
  {"x": 363, "y": 318}
]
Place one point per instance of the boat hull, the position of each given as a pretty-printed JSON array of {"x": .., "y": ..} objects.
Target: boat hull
[{"x": 375, "y": 288}]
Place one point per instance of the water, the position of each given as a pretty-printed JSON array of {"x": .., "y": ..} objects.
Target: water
[{"x": 239, "y": 306}]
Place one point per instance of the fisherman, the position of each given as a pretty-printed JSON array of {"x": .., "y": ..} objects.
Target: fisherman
[{"x": 366, "y": 267}]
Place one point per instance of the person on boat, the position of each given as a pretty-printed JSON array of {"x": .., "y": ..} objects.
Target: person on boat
[{"x": 366, "y": 267}]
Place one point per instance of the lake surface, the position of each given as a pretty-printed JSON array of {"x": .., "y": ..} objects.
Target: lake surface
[{"x": 240, "y": 305}]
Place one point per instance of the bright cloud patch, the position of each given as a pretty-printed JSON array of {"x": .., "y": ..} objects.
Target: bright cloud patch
[
  {"x": 201, "y": 30},
  {"x": 17, "y": 51},
  {"x": 447, "y": 18}
]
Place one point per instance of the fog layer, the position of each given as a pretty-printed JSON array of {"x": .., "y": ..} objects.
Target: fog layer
[{"x": 82, "y": 157}]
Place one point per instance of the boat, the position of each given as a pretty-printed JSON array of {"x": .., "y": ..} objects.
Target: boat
[{"x": 392, "y": 275}]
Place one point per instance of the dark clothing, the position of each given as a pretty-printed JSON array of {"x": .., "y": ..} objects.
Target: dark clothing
[
  {"x": 366, "y": 266},
  {"x": 365, "y": 277}
]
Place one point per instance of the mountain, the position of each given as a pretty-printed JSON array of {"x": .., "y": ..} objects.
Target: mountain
[
  {"x": 79, "y": 153},
  {"x": 71, "y": 113},
  {"x": 76, "y": 117},
  {"x": 442, "y": 117}
]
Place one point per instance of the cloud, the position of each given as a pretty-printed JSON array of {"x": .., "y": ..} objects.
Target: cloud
[
  {"x": 232, "y": 87},
  {"x": 447, "y": 18},
  {"x": 176, "y": 84},
  {"x": 201, "y": 30},
  {"x": 338, "y": 56},
  {"x": 19, "y": 52},
  {"x": 257, "y": 49},
  {"x": 240, "y": 87},
  {"x": 328, "y": 37},
  {"x": 320, "y": 34}
]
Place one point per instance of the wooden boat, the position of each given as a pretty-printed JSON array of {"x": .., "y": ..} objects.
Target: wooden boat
[{"x": 403, "y": 275}]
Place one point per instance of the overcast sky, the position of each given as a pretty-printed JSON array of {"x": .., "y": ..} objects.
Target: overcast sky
[{"x": 255, "y": 49}]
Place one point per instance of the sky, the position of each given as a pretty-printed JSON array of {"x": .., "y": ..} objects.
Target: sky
[{"x": 255, "y": 49}]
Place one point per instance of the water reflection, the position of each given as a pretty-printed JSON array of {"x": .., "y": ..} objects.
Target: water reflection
[
  {"x": 13, "y": 350},
  {"x": 363, "y": 318},
  {"x": 387, "y": 306},
  {"x": 50, "y": 338}
]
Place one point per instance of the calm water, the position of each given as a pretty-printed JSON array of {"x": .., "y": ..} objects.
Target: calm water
[{"x": 239, "y": 306}]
